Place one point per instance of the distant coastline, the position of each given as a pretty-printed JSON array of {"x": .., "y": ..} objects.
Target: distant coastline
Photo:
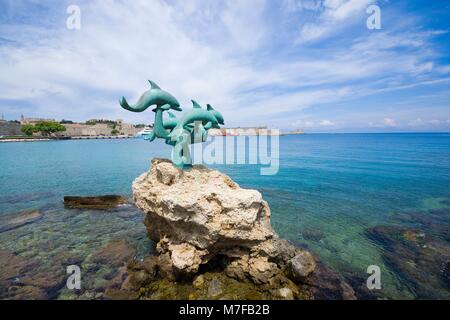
[{"x": 35, "y": 139}]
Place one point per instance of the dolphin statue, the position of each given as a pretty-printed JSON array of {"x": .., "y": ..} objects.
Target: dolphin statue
[
  {"x": 199, "y": 114},
  {"x": 162, "y": 100},
  {"x": 171, "y": 122},
  {"x": 154, "y": 96},
  {"x": 191, "y": 128}
]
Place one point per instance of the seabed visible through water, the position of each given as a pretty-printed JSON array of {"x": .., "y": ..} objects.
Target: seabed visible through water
[{"x": 353, "y": 200}]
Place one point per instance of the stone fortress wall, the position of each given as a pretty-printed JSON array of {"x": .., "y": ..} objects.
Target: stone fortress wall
[
  {"x": 9, "y": 128},
  {"x": 99, "y": 129}
]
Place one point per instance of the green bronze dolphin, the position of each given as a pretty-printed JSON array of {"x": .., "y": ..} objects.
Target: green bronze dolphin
[
  {"x": 185, "y": 133},
  {"x": 205, "y": 116},
  {"x": 192, "y": 128},
  {"x": 162, "y": 100},
  {"x": 171, "y": 122},
  {"x": 154, "y": 96}
]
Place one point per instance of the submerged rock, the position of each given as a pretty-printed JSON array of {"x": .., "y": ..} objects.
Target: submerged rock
[
  {"x": 26, "y": 293},
  {"x": 12, "y": 268},
  {"x": 16, "y": 220},
  {"x": 327, "y": 284},
  {"x": 106, "y": 202},
  {"x": 116, "y": 253},
  {"x": 11, "y": 265},
  {"x": 202, "y": 221},
  {"x": 447, "y": 273},
  {"x": 50, "y": 282},
  {"x": 312, "y": 234},
  {"x": 420, "y": 260}
]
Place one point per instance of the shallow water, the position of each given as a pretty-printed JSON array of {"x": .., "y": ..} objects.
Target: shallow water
[{"x": 329, "y": 190}]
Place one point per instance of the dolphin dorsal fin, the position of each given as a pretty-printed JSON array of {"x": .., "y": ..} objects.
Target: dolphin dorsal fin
[
  {"x": 195, "y": 104},
  {"x": 209, "y": 107},
  {"x": 171, "y": 115},
  {"x": 154, "y": 85}
]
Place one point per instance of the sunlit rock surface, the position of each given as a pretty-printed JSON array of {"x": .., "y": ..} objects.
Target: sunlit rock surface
[{"x": 202, "y": 220}]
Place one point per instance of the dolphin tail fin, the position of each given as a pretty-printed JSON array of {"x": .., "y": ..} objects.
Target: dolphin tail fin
[
  {"x": 124, "y": 104},
  {"x": 195, "y": 104},
  {"x": 153, "y": 85}
]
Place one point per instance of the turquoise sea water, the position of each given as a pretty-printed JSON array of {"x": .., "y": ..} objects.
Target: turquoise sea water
[{"x": 330, "y": 189}]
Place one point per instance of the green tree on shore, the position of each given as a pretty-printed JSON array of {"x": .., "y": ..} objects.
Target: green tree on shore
[
  {"x": 46, "y": 128},
  {"x": 28, "y": 129}
]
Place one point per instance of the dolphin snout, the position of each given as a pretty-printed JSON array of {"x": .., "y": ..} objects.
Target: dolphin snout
[{"x": 176, "y": 107}]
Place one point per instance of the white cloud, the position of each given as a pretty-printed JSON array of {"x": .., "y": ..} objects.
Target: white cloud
[
  {"x": 389, "y": 122},
  {"x": 326, "y": 123},
  {"x": 333, "y": 14},
  {"x": 119, "y": 47},
  {"x": 300, "y": 5},
  {"x": 310, "y": 124},
  {"x": 385, "y": 123}
]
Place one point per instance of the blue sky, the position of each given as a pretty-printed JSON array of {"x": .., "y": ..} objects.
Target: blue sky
[{"x": 307, "y": 64}]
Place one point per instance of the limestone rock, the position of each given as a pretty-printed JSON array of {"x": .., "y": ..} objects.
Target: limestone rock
[
  {"x": 286, "y": 293},
  {"x": 106, "y": 202},
  {"x": 200, "y": 213},
  {"x": 202, "y": 221},
  {"x": 199, "y": 281},
  {"x": 215, "y": 288},
  {"x": 201, "y": 207},
  {"x": 186, "y": 258},
  {"x": 301, "y": 266},
  {"x": 261, "y": 270}
]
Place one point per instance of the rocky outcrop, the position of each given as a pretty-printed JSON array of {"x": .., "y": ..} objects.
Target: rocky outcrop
[
  {"x": 201, "y": 221},
  {"x": 106, "y": 202}
]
